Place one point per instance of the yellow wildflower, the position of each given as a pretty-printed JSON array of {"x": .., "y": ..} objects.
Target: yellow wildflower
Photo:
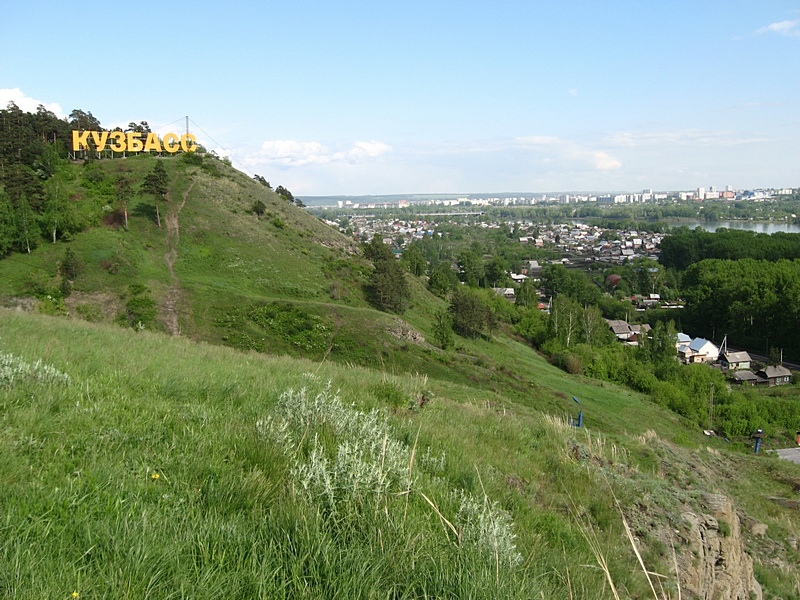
[
  {"x": 76, "y": 595},
  {"x": 154, "y": 476}
]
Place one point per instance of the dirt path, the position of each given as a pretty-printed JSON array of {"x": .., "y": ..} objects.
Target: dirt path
[{"x": 173, "y": 237}]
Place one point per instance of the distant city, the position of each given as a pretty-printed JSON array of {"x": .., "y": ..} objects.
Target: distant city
[{"x": 511, "y": 199}]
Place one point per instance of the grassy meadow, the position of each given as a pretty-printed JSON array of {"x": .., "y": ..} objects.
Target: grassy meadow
[{"x": 140, "y": 465}]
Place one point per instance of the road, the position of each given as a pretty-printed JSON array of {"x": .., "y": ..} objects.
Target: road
[{"x": 792, "y": 454}]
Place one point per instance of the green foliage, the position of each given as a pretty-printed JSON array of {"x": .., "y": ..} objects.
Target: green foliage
[
  {"x": 376, "y": 250},
  {"x": 682, "y": 249},
  {"x": 156, "y": 183},
  {"x": 387, "y": 288},
  {"x": 225, "y": 452},
  {"x": 27, "y": 226},
  {"x": 140, "y": 309},
  {"x": 8, "y": 225},
  {"x": 470, "y": 314},
  {"x": 284, "y": 193},
  {"x": 749, "y": 300},
  {"x": 526, "y": 294},
  {"x": 558, "y": 280},
  {"x": 194, "y": 159},
  {"x": 413, "y": 260},
  {"x": 533, "y": 326},
  {"x": 565, "y": 320},
  {"x": 69, "y": 264},
  {"x": 442, "y": 279},
  {"x": 470, "y": 268},
  {"x": 259, "y": 208},
  {"x": 301, "y": 329},
  {"x": 443, "y": 330}
]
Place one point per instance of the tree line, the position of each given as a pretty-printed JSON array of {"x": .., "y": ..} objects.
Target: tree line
[{"x": 684, "y": 247}]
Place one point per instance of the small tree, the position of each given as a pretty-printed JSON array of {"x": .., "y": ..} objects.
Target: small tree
[
  {"x": 157, "y": 183},
  {"x": 443, "y": 330},
  {"x": 442, "y": 279},
  {"x": 387, "y": 288},
  {"x": 27, "y": 225},
  {"x": 124, "y": 193},
  {"x": 526, "y": 294},
  {"x": 375, "y": 250},
  {"x": 262, "y": 181},
  {"x": 469, "y": 312},
  {"x": 284, "y": 193},
  {"x": 259, "y": 208},
  {"x": 69, "y": 265},
  {"x": 414, "y": 261}
]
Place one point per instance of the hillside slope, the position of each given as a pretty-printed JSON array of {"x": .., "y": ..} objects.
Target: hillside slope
[
  {"x": 274, "y": 280},
  {"x": 141, "y": 464},
  {"x": 165, "y": 462}
]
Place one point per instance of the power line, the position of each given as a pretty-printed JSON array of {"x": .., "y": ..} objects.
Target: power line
[{"x": 241, "y": 167}]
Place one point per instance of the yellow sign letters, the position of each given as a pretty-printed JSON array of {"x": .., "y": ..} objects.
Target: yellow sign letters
[{"x": 132, "y": 141}]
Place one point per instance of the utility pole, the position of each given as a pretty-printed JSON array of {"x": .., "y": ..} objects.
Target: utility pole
[
  {"x": 187, "y": 124},
  {"x": 711, "y": 409}
]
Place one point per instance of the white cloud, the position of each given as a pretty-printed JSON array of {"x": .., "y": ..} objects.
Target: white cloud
[
  {"x": 569, "y": 153},
  {"x": 789, "y": 28},
  {"x": 291, "y": 153},
  {"x": 682, "y": 137},
  {"x": 26, "y": 103},
  {"x": 603, "y": 161}
]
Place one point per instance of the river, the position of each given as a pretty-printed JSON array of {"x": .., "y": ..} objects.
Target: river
[
  {"x": 757, "y": 226},
  {"x": 712, "y": 226}
]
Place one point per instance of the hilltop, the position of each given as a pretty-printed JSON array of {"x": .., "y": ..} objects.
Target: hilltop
[{"x": 331, "y": 449}]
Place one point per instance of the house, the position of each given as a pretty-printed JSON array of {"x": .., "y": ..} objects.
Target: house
[
  {"x": 507, "y": 293},
  {"x": 745, "y": 377},
  {"x": 779, "y": 375},
  {"x": 704, "y": 350},
  {"x": 640, "y": 331},
  {"x": 627, "y": 333},
  {"x": 621, "y": 329},
  {"x": 734, "y": 360},
  {"x": 698, "y": 351}
]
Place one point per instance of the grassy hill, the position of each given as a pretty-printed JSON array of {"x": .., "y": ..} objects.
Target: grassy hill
[
  {"x": 138, "y": 464},
  {"x": 329, "y": 451}
]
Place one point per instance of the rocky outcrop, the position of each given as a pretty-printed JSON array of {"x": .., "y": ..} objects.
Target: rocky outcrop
[{"x": 714, "y": 564}]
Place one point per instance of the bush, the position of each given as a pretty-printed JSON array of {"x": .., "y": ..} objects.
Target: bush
[{"x": 259, "y": 208}]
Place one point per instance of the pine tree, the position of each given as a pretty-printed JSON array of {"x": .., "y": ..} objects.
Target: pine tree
[{"x": 157, "y": 183}]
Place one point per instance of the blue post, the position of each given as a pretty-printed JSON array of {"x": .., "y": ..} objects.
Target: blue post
[
  {"x": 758, "y": 435},
  {"x": 579, "y": 422}
]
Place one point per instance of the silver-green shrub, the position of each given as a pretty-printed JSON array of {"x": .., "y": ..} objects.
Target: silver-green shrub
[
  {"x": 485, "y": 524},
  {"x": 14, "y": 370},
  {"x": 370, "y": 468}
]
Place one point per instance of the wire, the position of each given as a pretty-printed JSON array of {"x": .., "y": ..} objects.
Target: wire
[
  {"x": 241, "y": 167},
  {"x": 168, "y": 124}
]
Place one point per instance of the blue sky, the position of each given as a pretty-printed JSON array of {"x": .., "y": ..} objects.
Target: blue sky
[{"x": 435, "y": 97}]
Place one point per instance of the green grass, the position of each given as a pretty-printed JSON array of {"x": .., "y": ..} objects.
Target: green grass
[
  {"x": 229, "y": 514},
  {"x": 154, "y": 472}
]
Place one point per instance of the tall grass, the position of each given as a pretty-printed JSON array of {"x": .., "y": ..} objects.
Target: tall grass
[{"x": 158, "y": 467}]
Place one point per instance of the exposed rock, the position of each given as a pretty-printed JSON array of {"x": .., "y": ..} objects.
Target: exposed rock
[
  {"x": 21, "y": 303},
  {"x": 714, "y": 564},
  {"x": 403, "y": 331}
]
